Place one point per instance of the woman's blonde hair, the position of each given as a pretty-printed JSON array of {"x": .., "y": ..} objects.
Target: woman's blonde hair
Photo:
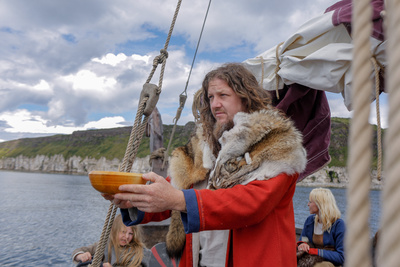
[
  {"x": 130, "y": 255},
  {"x": 326, "y": 203}
]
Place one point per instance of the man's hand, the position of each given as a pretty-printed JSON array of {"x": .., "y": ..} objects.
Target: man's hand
[
  {"x": 158, "y": 196},
  {"x": 117, "y": 202}
]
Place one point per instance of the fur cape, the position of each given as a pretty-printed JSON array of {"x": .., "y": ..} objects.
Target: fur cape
[{"x": 260, "y": 146}]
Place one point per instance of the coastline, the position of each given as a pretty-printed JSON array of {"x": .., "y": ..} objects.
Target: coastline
[
  {"x": 336, "y": 177},
  {"x": 332, "y": 177}
]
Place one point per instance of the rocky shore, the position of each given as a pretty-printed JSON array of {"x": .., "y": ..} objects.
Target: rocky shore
[
  {"x": 326, "y": 177},
  {"x": 72, "y": 165},
  {"x": 336, "y": 177}
]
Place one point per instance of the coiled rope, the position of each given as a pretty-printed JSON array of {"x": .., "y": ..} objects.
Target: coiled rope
[
  {"x": 148, "y": 100},
  {"x": 388, "y": 244},
  {"x": 357, "y": 240}
]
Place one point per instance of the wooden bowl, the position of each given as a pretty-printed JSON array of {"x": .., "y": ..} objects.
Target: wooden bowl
[{"x": 108, "y": 182}]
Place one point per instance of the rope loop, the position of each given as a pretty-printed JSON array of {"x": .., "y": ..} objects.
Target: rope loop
[
  {"x": 182, "y": 100},
  {"x": 161, "y": 58},
  {"x": 152, "y": 92}
]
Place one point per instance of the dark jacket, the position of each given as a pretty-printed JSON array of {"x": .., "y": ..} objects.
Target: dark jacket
[{"x": 332, "y": 238}]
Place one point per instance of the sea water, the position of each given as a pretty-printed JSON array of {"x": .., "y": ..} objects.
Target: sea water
[
  {"x": 301, "y": 210},
  {"x": 44, "y": 217}
]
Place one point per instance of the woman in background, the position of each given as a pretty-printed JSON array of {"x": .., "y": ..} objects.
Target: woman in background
[
  {"x": 124, "y": 248},
  {"x": 323, "y": 231}
]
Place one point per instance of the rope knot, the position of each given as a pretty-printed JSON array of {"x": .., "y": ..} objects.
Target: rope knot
[
  {"x": 157, "y": 154},
  {"x": 182, "y": 100},
  {"x": 161, "y": 58}
]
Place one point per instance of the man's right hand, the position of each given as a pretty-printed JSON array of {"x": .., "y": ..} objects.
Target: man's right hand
[{"x": 122, "y": 204}]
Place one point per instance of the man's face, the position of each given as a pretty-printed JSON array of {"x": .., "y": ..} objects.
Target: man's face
[{"x": 224, "y": 102}]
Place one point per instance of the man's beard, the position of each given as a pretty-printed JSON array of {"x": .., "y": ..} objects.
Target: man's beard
[{"x": 218, "y": 130}]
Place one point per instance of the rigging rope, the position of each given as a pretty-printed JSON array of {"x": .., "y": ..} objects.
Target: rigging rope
[
  {"x": 388, "y": 244},
  {"x": 148, "y": 100},
  {"x": 277, "y": 68},
  {"x": 183, "y": 95},
  {"x": 357, "y": 240},
  {"x": 378, "y": 119},
  {"x": 104, "y": 235}
]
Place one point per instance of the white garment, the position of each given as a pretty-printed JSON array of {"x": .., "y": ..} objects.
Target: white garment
[
  {"x": 318, "y": 229},
  {"x": 209, "y": 247},
  {"x": 318, "y": 56}
]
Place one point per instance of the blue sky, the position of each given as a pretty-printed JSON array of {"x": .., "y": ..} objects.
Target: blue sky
[{"x": 77, "y": 65}]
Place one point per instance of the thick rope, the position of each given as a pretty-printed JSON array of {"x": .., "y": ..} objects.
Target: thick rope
[
  {"x": 263, "y": 72},
  {"x": 135, "y": 138},
  {"x": 378, "y": 119},
  {"x": 388, "y": 244},
  {"x": 277, "y": 68},
  {"x": 98, "y": 255},
  {"x": 357, "y": 240},
  {"x": 137, "y": 132},
  {"x": 162, "y": 58}
]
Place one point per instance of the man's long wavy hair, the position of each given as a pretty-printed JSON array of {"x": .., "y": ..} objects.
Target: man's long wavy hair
[{"x": 243, "y": 83}]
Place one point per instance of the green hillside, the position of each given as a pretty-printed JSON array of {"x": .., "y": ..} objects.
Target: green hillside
[
  {"x": 111, "y": 143},
  {"x": 108, "y": 143}
]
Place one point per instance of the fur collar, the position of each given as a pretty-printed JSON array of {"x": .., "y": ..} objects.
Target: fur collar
[{"x": 260, "y": 146}]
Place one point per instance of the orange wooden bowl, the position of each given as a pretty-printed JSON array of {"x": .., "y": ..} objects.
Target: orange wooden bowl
[{"x": 108, "y": 182}]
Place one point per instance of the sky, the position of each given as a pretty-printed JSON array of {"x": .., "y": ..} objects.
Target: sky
[{"x": 76, "y": 65}]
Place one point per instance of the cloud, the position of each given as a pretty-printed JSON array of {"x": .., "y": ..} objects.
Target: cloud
[
  {"x": 338, "y": 109},
  {"x": 23, "y": 121},
  {"x": 68, "y": 65}
]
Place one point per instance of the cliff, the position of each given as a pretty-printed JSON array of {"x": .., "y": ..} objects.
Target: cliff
[
  {"x": 73, "y": 165},
  {"x": 84, "y": 151}
]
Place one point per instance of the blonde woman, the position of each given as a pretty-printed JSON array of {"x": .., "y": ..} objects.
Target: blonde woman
[
  {"x": 323, "y": 231},
  {"x": 124, "y": 248}
]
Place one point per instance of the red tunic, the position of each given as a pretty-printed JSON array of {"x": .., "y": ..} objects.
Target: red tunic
[
  {"x": 261, "y": 218},
  {"x": 259, "y": 215}
]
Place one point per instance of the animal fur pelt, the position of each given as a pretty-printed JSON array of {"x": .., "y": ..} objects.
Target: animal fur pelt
[
  {"x": 260, "y": 146},
  {"x": 306, "y": 260},
  {"x": 175, "y": 240},
  {"x": 186, "y": 168}
]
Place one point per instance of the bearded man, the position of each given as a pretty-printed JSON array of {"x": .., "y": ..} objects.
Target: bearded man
[{"x": 231, "y": 190}]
